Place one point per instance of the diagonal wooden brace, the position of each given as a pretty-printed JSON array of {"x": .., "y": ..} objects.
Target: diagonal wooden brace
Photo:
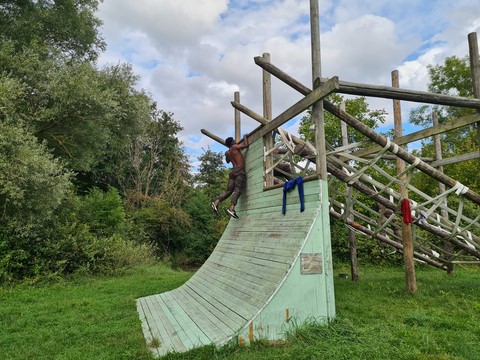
[{"x": 318, "y": 94}]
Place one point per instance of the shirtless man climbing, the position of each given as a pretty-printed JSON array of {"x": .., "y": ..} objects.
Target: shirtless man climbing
[{"x": 236, "y": 177}]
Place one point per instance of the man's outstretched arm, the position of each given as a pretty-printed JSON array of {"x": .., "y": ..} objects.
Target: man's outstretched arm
[{"x": 243, "y": 144}]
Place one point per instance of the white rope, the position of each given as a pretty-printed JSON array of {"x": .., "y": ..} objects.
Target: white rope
[
  {"x": 459, "y": 188},
  {"x": 384, "y": 224},
  {"x": 439, "y": 199},
  {"x": 287, "y": 139},
  {"x": 395, "y": 147},
  {"x": 352, "y": 179}
]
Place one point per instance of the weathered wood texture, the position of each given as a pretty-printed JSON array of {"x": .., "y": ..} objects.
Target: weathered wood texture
[
  {"x": 456, "y": 159},
  {"x": 318, "y": 94},
  {"x": 267, "y": 114},
  {"x": 475, "y": 67},
  {"x": 425, "y": 133},
  {"x": 238, "y": 125},
  {"x": 246, "y": 278},
  {"x": 351, "y": 88},
  {"x": 371, "y": 134},
  {"x": 352, "y": 241},
  {"x": 407, "y": 240}
]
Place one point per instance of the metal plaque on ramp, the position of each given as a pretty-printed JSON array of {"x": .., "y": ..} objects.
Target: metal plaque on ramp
[{"x": 310, "y": 263}]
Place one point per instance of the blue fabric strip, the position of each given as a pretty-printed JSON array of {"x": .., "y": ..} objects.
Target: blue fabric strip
[{"x": 289, "y": 186}]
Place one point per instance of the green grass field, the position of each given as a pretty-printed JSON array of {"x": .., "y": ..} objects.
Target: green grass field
[{"x": 97, "y": 319}]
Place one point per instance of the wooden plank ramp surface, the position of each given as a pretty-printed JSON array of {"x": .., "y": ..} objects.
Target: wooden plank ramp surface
[{"x": 246, "y": 269}]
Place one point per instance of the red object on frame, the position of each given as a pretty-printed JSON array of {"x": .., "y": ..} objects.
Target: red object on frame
[{"x": 406, "y": 212}]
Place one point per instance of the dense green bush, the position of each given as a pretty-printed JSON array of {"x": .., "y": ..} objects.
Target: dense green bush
[
  {"x": 32, "y": 182},
  {"x": 206, "y": 229},
  {"x": 102, "y": 211},
  {"x": 73, "y": 239},
  {"x": 164, "y": 223}
]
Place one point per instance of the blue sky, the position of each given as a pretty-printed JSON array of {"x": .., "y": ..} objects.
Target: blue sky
[{"x": 192, "y": 55}]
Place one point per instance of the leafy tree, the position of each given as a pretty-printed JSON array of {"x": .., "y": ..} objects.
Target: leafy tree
[
  {"x": 212, "y": 174},
  {"x": 68, "y": 27},
  {"x": 79, "y": 110},
  {"x": 73, "y": 239},
  {"x": 75, "y": 115},
  {"x": 357, "y": 107},
  {"x": 453, "y": 77},
  {"x": 59, "y": 112},
  {"x": 164, "y": 224},
  {"x": 152, "y": 163},
  {"x": 206, "y": 229},
  {"x": 83, "y": 114},
  {"x": 128, "y": 117},
  {"x": 32, "y": 182},
  {"x": 102, "y": 211}
]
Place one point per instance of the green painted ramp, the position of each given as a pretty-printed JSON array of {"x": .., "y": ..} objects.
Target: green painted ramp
[{"x": 268, "y": 271}]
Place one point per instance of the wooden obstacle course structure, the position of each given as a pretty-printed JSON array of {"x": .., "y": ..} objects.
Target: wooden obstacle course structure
[
  {"x": 269, "y": 269},
  {"x": 458, "y": 233},
  {"x": 268, "y": 273}
]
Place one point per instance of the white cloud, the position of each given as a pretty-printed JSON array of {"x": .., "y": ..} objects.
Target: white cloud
[{"x": 192, "y": 55}]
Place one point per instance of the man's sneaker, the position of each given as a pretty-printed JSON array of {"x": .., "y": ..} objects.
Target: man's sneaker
[
  {"x": 214, "y": 208},
  {"x": 232, "y": 213}
]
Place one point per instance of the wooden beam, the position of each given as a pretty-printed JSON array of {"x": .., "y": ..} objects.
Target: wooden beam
[
  {"x": 249, "y": 112},
  {"x": 408, "y": 259},
  {"x": 212, "y": 136},
  {"x": 318, "y": 94},
  {"x": 287, "y": 79},
  {"x": 422, "y": 134},
  {"x": 371, "y": 134},
  {"x": 447, "y": 246},
  {"x": 456, "y": 159},
  {"x": 317, "y": 113},
  {"x": 475, "y": 68},
  {"x": 267, "y": 114},
  {"x": 352, "y": 241},
  {"x": 393, "y": 157},
  {"x": 238, "y": 125},
  {"x": 387, "y": 92}
]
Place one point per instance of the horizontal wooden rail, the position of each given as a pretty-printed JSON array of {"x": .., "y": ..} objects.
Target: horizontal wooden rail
[
  {"x": 456, "y": 159},
  {"x": 422, "y": 134},
  {"x": 365, "y": 130},
  {"x": 318, "y": 94},
  {"x": 387, "y": 92}
]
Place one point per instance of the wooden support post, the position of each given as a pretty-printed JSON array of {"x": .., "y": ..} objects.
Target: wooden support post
[
  {"x": 300, "y": 106},
  {"x": 321, "y": 156},
  {"x": 406, "y": 228},
  {"x": 238, "y": 129},
  {"x": 317, "y": 108},
  {"x": 447, "y": 245},
  {"x": 267, "y": 114},
  {"x": 352, "y": 242},
  {"x": 475, "y": 67},
  {"x": 361, "y": 127}
]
